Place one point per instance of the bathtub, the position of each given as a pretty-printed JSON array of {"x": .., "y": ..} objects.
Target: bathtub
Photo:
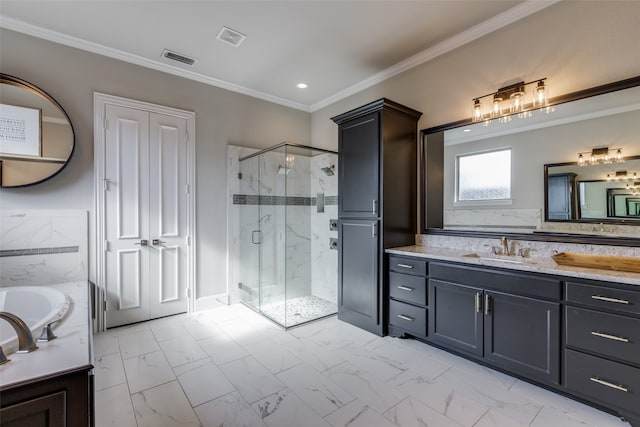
[{"x": 36, "y": 305}]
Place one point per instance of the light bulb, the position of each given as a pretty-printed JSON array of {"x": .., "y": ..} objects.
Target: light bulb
[
  {"x": 580, "y": 160},
  {"x": 517, "y": 102},
  {"x": 497, "y": 107},
  {"x": 619, "y": 156},
  {"x": 540, "y": 95}
]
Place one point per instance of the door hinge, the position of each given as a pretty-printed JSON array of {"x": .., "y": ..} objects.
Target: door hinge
[
  {"x": 188, "y": 292},
  {"x": 105, "y": 122},
  {"x": 187, "y": 240},
  {"x": 104, "y": 306},
  {"x": 187, "y": 189},
  {"x": 106, "y": 246}
]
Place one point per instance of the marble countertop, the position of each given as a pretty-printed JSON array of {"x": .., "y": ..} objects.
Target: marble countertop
[
  {"x": 533, "y": 264},
  {"x": 71, "y": 350}
]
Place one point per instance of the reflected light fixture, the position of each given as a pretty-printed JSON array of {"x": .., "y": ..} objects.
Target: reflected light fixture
[
  {"x": 600, "y": 155},
  {"x": 515, "y": 99},
  {"x": 302, "y": 85}
]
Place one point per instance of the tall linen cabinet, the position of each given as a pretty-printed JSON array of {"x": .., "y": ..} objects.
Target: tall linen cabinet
[{"x": 376, "y": 204}]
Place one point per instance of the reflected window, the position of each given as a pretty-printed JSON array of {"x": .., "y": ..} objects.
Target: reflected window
[{"x": 484, "y": 176}]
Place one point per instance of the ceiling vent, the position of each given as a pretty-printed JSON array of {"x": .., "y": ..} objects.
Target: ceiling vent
[
  {"x": 178, "y": 57},
  {"x": 229, "y": 36}
]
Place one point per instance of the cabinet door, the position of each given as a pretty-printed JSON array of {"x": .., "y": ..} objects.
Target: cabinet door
[
  {"x": 45, "y": 411},
  {"x": 522, "y": 335},
  {"x": 358, "y": 284},
  {"x": 455, "y": 316},
  {"x": 359, "y": 167}
]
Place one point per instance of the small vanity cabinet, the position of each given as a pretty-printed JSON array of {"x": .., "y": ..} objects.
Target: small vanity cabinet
[
  {"x": 408, "y": 296},
  {"x": 602, "y": 345}
]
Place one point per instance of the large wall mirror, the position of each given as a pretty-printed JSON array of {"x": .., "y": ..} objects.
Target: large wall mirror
[
  {"x": 546, "y": 187},
  {"x": 36, "y": 135}
]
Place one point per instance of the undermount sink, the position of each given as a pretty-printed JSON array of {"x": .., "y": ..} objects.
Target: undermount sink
[{"x": 508, "y": 260}]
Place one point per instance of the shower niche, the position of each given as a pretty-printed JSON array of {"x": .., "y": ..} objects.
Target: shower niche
[{"x": 285, "y": 199}]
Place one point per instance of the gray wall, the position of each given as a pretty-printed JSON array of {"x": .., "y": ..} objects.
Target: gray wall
[
  {"x": 71, "y": 76},
  {"x": 576, "y": 44}
]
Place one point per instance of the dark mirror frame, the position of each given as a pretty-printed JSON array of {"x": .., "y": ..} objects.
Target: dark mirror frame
[
  {"x": 18, "y": 82},
  {"x": 432, "y": 178},
  {"x": 611, "y": 219}
]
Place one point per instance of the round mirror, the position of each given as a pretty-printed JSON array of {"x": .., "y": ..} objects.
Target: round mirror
[{"x": 36, "y": 135}]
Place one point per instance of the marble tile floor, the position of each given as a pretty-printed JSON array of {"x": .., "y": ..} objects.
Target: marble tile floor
[{"x": 231, "y": 367}]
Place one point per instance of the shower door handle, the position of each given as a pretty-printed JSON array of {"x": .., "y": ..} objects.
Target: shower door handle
[{"x": 258, "y": 240}]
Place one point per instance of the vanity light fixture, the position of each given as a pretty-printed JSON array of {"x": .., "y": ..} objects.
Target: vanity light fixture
[
  {"x": 600, "y": 155},
  {"x": 512, "y": 100},
  {"x": 623, "y": 176}
]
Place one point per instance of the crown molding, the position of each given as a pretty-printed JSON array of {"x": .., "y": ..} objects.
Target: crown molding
[
  {"x": 501, "y": 20},
  {"x": 522, "y": 10},
  {"x": 67, "y": 40}
]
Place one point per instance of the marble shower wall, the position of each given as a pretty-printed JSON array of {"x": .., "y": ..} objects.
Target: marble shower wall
[
  {"x": 283, "y": 208},
  {"x": 43, "y": 247},
  {"x": 324, "y": 265}
]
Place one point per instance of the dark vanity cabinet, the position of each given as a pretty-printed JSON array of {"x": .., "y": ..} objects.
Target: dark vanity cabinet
[
  {"x": 562, "y": 200},
  {"x": 602, "y": 346},
  {"x": 63, "y": 400},
  {"x": 376, "y": 203},
  {"x": 509, "y": 319},
  {"x": 408, "y": 296}
]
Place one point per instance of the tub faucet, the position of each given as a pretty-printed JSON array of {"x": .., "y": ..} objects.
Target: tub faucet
[{"x": 26, "y": 344}]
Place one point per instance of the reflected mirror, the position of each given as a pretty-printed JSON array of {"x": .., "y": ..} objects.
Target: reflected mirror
[
  {"x": 546, "y": 185},
  {"x": 603, "y": 192},
  {"x": 36, "y": 135}
]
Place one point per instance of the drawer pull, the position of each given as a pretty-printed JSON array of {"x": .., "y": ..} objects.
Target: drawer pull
[
  {"x": 407, "y": 318},
  {"x": 609, "y": 337},
  {"x": 608, "y": 384},
  {"x": 405, "y": 288},
  {"x": 405, "y": 265},
  {"x": 607, "y": 299}
]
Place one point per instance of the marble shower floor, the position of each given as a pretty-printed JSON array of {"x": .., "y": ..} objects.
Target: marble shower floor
[
  {"x": 231, "y": 367},
  {"x": 299, "y": 310}
]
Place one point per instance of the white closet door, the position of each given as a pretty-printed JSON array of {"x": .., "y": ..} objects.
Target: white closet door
[
  {"x": 168, "y": 215},
  {"x": 127, "y": 215},
  {"x": 146, "y": 215}
]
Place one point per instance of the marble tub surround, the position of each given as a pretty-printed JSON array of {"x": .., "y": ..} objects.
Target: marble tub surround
[
  {"x": 458, "y": 250},
  {"x": 326, "y": 373},
  {"x": 70, "y": 350},
  {"x": 39, "y": 247}
]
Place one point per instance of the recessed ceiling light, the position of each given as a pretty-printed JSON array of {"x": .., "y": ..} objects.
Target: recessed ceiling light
[{"x": 302, "y": 85}]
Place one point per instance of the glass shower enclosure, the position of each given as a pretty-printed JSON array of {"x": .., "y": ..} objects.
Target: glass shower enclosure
[{"x": 288, "y": 233}]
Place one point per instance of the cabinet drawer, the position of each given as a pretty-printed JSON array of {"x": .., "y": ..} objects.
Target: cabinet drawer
[
  {"x": 613, "y": 383},
  {"x": 408, "y": 265},
  {"x": 411, "y": 318},
  {"x": 604, "y": 297},
  {"x": 603, "y": 333},
  {"x": 408, "y": 288}
]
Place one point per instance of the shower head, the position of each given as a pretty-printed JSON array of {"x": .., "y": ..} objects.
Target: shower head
[{"x": 329, "y": 170}]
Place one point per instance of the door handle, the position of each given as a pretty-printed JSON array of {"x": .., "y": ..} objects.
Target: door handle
[
  {"x": 142, "y": 243},
  {"x": 487, "y": 304},
  {"x": 478, "y": 302},
  {"x": 156, "y": 242}
]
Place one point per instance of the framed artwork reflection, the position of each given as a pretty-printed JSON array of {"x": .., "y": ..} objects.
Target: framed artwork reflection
[{"x": 20, "y": 131}]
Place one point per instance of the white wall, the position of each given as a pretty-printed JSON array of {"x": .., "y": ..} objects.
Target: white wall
[{"x": 71, "y": 76}]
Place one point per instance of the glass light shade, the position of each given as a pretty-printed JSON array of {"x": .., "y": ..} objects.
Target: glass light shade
[
  {"x": 580, "y": 160},
  {"x": 517, "y": 102},
  {"x": 496, "y": 109},
  {"x": 619, "y": 156},
  {"x": 476, "y": 113},
  {"x": 540, "y": 96}
]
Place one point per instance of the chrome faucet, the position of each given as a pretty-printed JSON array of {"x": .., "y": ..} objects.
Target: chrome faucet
[
  {"x": 505, "y": 246},
  {"x": 26, "y": 344}
]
